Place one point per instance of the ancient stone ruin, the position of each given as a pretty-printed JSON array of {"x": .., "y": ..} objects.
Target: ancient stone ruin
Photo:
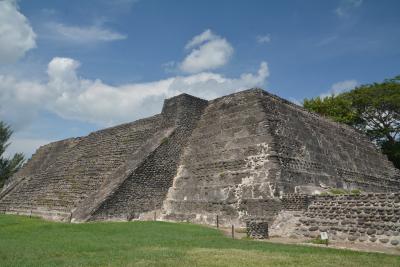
[
  {"x": 246, "y": 156},
  {"x": 257, "y": 230}
]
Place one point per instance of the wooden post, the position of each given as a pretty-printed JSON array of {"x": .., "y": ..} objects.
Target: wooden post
[
  {"x": 30, "y": 215},
  {"x": 217, "y": 222},
  {"x": 155, "y": 212},
  {"x": 233, "y": 232}
]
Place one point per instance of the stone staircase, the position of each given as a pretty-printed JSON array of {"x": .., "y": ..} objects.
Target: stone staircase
[{"x": 61, "y": 182}]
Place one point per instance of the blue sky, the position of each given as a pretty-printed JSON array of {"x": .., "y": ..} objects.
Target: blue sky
[{"x": 71, "y": 67}]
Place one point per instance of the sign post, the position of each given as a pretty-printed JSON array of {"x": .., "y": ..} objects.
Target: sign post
[{"x": 324, "y": 236}]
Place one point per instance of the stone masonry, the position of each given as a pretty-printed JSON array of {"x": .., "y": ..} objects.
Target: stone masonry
[
  {"x": 369, "y": 217},
  {"x": 257, "y": 230},
  {"x": 246, "y": 156},
  {"x": 251, "y": 148}
]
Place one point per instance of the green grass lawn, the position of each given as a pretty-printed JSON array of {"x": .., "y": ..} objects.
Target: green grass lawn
[{"x": 34, "y": 242}]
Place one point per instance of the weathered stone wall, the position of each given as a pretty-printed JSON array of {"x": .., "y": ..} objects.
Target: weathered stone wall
[
  {"x": 251, "y": 148},
  {"x": 41, "y": 160},
  {"x": 61, "y": 175},
  {"x": 256, "y": 229},
  {"x": 77, "y": 169},
  {"x": 226, "y": 169},
  {"x": 146, "y": 188},
  {"x": 314, "y": 151},
  {"x": 243, "y": 156},
  {"x": 361, "y": 218},
  {"x": 296, "y": 202}
]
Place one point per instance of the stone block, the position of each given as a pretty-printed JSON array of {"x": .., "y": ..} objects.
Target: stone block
[
  {"x": 383, "y": 240},
  {"x": 352, "y": 238},
  {"x": 371, "y": 231}
]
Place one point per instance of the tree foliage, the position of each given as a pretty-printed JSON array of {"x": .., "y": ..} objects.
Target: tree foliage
[
  {"x": 339, "y": 108},
  {"x": 372, "y": 108},
  {"x": 8, "y": 166}
]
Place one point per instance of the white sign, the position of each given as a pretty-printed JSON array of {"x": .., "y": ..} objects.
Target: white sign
[{"x": 324, "y": 236}]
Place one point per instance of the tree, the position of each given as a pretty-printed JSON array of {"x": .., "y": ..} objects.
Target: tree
[
  {"x": 378, "y": 110},
  {"x": 8, "y": 166},
  {"x": 339, "y": 108},
  {"x": 372, "y": 108}
]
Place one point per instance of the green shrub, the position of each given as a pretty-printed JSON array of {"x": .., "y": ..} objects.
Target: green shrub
[
  {"x": 338, "y": 191},
  {"x": 319, "y": 241},
  {"x": 355, "y": 192}
]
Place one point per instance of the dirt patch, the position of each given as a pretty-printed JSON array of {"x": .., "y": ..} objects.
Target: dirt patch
[{"x": 357, "y": 246}]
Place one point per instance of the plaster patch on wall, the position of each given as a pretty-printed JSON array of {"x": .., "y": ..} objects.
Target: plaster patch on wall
[{"x": 257, "y": 181}]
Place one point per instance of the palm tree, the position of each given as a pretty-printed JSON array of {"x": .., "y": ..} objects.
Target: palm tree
[{"x": 8, "y": 166}]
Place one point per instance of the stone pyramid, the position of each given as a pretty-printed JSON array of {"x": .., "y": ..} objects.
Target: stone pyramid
[{"x": 235, "y": 157}]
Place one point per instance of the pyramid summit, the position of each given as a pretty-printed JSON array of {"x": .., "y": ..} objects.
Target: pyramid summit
[{"x": 239, "y": 156}]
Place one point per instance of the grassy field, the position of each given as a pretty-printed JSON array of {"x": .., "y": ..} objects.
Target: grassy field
[{"x": 34, "y": 242}]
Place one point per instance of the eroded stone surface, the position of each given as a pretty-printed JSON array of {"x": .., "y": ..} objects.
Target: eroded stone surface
[
  {"x": 373, "y": 216},
  {"x": 257, "y": 229},
  {"x": 245, "y": 156}
]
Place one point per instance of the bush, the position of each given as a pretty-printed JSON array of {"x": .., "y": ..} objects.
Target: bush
[
  {"x": 319, "y": 241},
  {"x": 340, "y": 191},
  {"x": 355, "y": 192}
]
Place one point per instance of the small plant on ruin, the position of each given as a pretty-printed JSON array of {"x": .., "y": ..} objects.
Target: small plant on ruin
[
  {"x": 355, "y": 192},
  {"x": 319, "y": 241},
  {"x": 338, "y": 191}
]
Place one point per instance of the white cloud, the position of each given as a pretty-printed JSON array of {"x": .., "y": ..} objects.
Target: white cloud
[
  {"x": 343, "y": 86},
  {"x": 346, "y": 7},
  {"x": 209, "y": 51},
  {"x": 24, "y": 145},
  {"x": 206, "y": 36},
  {"x": 16, "y": 34},
  {"x": 65, "y": 93},
  {"x": 340, "y": 87},
  {"x": 84, "y": 34},
  {"x": 73, "y": 97},
  {"x": 263, "y": 39},
  {"x": 20, "y": 100}
]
